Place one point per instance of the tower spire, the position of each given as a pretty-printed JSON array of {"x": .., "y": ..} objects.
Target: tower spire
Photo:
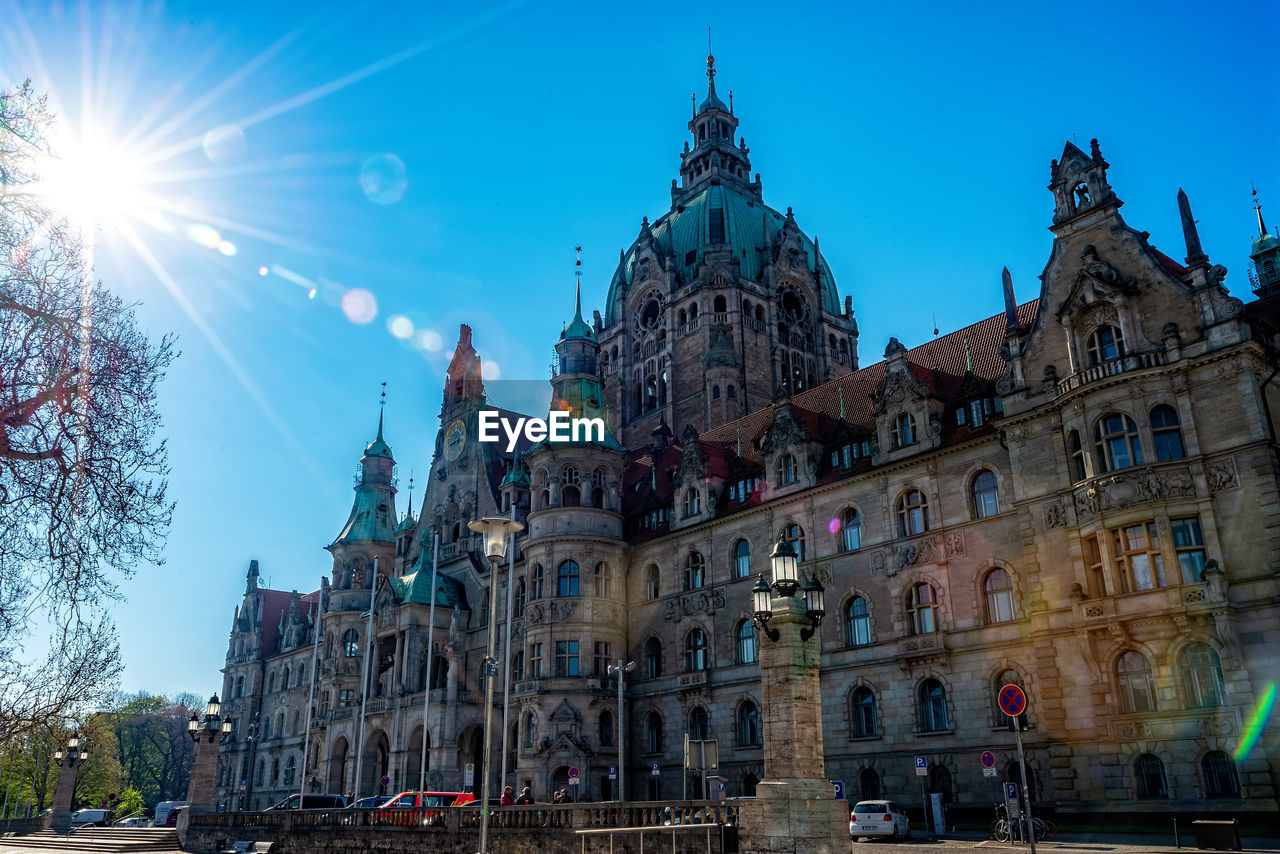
[
  {"x": 1195, "y": 255},
  {"x": 577, "y": 275},
  {"x": 1010, "y": 303},
  {"x": 382, "y": 405},
  {"x": 1257, "y": 207}
]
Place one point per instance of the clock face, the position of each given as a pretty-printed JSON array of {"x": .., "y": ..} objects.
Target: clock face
[{"x": 455, "y": 438}]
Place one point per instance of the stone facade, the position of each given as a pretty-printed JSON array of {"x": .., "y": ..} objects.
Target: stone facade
[{"x": 1078, "y": 495}]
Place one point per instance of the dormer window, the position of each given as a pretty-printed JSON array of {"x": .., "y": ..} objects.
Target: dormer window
[
  {"x": 904, "y": 430},
  {"x": 786, "y": 470},
  {"x": 692, "y": 504},
  {"x": 1106, "y": 343}
]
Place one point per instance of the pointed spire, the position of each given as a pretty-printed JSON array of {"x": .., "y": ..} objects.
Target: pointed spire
[
  {"x": 1195, "y": 255},
  {"x": 382, "y": 405},
  {"x": 1010, "y": 303},
  {"x": 578, "y": 327},
  {"x": 1257, "y": 207}
]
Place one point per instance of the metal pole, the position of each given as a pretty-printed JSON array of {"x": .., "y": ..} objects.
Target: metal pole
[
  {"x": 311, "y": 697},
  {"x": 684, "y": 788},
  {"x": 622, "y": 773},
  {"x": 702, "y": 765},
  {"x": 506, "y": 647},
  {"x": 364, "y": 689},
  {"x": 924, "y": 798},
  {"x": 426, "y": 689},
  {"x": 17, "y": 801},
  {"x": 488, "y": 706},
  {"x": 35, "y": 774},
  {"x": 1026, "y": 793}
]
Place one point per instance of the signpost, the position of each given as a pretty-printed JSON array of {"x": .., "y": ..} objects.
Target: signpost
[
  {"x": 655, "y": 769},
  {"x": 469, "y": 776},
  {"x": 573, "y": 781},
  {"x": 1011, "y": 801},
  {"x": 922, "y": 771},
  {"x": 988, "y": 764},
  {"x": 1013, "y": 702},
  {"x": 385, "y": 781}
]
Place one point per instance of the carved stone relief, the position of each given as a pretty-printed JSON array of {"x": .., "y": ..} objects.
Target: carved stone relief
[
  {"x": 934, "y": 549},
  {"x": 1221, "y": 475},
  {"x": 701, "y": 602}
]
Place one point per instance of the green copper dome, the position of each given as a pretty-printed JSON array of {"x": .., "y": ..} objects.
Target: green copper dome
[
  {"x": 1264, "y": 243},
  {"x": 680, "y": 235}
]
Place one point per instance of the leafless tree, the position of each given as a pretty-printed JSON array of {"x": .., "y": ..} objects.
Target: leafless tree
[{"x": 82, "y": 472}]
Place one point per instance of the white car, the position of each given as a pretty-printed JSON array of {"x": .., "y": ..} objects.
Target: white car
[{"x": 878, "y": 818}]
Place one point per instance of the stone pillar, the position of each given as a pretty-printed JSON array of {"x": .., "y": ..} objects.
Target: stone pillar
[
  {"x": 60, "y": 820},
  {"x": 794, "y": 811},
  {"x": 204, "y": 769}
]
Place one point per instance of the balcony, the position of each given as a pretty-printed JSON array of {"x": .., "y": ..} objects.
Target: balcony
[
  {"x": 1114, "y": 367},
  {"x": 752, "y": 323}
]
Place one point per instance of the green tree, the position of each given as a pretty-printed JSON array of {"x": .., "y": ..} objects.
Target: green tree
[{"x": 130, "y": 803}]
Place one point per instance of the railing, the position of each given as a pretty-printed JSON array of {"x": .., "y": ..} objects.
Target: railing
[
  {"x": 690, "y": 326},
  {"x": 1114, "y": 367},
  {"x": 653, "y": 347},
  {"x": 752, "y": 323},
  {"x": 720, "y": 317},
  {"x": 537, "y": 816}
]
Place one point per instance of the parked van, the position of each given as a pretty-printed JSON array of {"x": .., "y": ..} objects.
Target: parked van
[
  {"x": 310, "y": 802},
  {"x": 163, "y": 811},
  {"x": 102, "y": 818}
]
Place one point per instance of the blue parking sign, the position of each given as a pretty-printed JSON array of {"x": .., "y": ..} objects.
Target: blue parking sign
[
  {"x": 1010, "y": 791},
  {"x": 839, "y": 787}
]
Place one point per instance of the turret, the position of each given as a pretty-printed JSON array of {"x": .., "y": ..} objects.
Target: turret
[
  {"x": 1265, "y": 255},
  {"x": 714, "y": 158},
  {"x": 371, "y": 526}
]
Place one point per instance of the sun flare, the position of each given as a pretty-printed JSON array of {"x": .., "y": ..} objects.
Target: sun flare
[{"x": 92, "y": 179}]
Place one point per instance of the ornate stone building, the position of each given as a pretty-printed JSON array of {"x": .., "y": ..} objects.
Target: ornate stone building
[{"x": 1078, "y": 495}]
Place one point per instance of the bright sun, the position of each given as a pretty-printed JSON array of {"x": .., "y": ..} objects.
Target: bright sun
[{"x": 92, "y": 179}]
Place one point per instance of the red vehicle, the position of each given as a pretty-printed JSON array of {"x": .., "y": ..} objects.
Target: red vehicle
[
  {"x": 415, "y": 809},
  {"x": 408, "y": 800}
]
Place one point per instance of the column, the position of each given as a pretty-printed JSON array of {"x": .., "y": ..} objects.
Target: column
[
  {"x": 60, "y": 820},
  {"x": 204, "y": 769}
]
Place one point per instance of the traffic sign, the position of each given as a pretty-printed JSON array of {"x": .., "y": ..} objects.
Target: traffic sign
[
  {"x": 1013, "y": 701},
  {"x": 491, "y": 666},
  {"x": 243, "y": 791},
  {"x": 990, "y": 772},
  {"x": 1011, "y": 805},
  {"x": 655, "y": 769},
  {"x": 922, "y": 766},
  {"x": 469, "y": 776},
  {"x": 573, "y": 781},
  {"x": 385, "y": 781},
  {"x": 573, "y": 772},
  {"x": 613, "y": 772},
  {"x": 839, "y": 787},
  {"x": 988, "y": 759}
]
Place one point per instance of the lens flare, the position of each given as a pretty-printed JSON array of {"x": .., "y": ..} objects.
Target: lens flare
[
  {"x": 834, "y": 526},
  {"x": 93, "y": 178},
  {"x": 429, "y": 340},
  {"x": 226, "y": 247},
  {"x": 359, "y": 305},
  {"x": 383, "y": 179},
  {"x": 400, "y": 326},
  {"x": 206, "y": 236},
  {"x": 1257, "y": 722},
  {"x": 262, "y": 271},
  {"x": 224, "y": 143}
]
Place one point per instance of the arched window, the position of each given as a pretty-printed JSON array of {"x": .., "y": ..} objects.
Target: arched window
[
  {"x": 794, "y": 535},
  {"x": 913, "y": 513},
  {"x": 786, "y": 470},
  {"x": 653, "y": 733},
  {"x": 284, "y": 684},
  {"x": 732, "y": 393},
  {"x": 933, "y": 706},
  {"x": 1148, "y": 772},
  {"x": 606, "y": 729},
  {"x": 652, "y": 582},
  {"x": 850, "y": 530},
  {"x": 699, "y": 724},
  {"x": 695, "y": 571},
  {"x": 653, "y": 658},
  {"x": 517, "y": 666},
  {"x": 535, "y": 582},
  {"x": 1076, "y": 453},
  {"x": 719, "y": 305},
  {"x": 1201, "y": 671},
  {"x": 692, "y": 503},
  {"x": 748, "y": 725},
  {"x": 239, "y": 687},
  {"x": 439, "y": 673},
  {"x": 1137, "y": 693},
  {"x": 271, "y": 683},
  {"x": 1220, "y": 777},
  {"x": 530, "y": 731},
  {"x": 567, "y": 578},
  {"x": 922, "y": 609},
  {"x": 998, "y": 589},
  {"x": 1166, "y": 434},
  {"x": 351, "y": 643},
  {"x": 1116, "y": 439},
  {"x": 869, "y": 785},
  {"x": 1106, "y": 343},
  {"x": 741, "y": 559},
  {"x": 604, "y": 580},
  {"x": 517, "y": 605},
  {"x": 1007, "y": 677},
  {"x": 715, "y": 392},
  {"x": 857, "y": 622},
  {"x": 695, "y": 650},
  {"x": 862, "y": 713},
  {"x": 746, "y": 646},
  {"x": 904, "y": 430},
  {"x": 985, "y": 494}
]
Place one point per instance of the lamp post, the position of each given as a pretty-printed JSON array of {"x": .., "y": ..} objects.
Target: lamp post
[
  {"x": 68, "y": 761},
  {"x": 793, "y": 809},
  {"x": 622, "y": 670},
  {"x": 207, "y": 735},
  {"x": 495, "y": 530}
]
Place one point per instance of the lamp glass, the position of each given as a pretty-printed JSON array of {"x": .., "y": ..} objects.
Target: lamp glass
[
  {"x": 814, "y": 598},
  {"x": 193, "y": 724},
  {"x": 760, "y": 595},
  {"x": 73, "y": 741},
  {"x": 214, "y": 706},
  {"x": 84, "y": 756},
  {"x": 786, "y": 575},
  {"x": 495, "y": 530},
  {"x": 226, "y": 726},
  {"x": 57, "y": 754}
]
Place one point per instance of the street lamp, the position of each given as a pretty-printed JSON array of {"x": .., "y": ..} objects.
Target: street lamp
[
  {"x": 786, "y": 575},
  {"x": 69, "y": 759},
  {"x": 622, "y": 670},
  {"x": 207, "y": 735},
  {"x": 495, "y": 530},
  {"x": 786, "y": 582}
]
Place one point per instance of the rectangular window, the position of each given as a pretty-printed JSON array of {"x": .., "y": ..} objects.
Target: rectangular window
[
  {"x": 346, "y": 697},
  {"x": 602, "y": 659},
  {"x": 717, "y": 225},
  {"x": 960, "y": 413},
  {"x": 535, "y": 661},
  {"x": 1093, "y": 567},
  {"x": 1189, "y": 544},
  {"x": 1137, "y": 553},
  {"x": 976, "y": 411},
  {"x": 567, "y": 658}
]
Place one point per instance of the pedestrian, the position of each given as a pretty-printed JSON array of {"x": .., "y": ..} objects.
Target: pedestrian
[
  {"x": 508, "y": 797},
  {"x": 526, "y": 797},
  {"x": 558, "y": 797}
]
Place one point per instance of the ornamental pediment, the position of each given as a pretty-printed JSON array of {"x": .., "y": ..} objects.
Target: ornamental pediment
[{"x": 1096, "y": 281}]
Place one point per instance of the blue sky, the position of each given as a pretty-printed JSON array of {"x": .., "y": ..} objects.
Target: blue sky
[{"x": 913, "y": 139}]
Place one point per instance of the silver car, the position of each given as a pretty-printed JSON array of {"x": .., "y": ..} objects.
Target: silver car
[{"x": 878, "y": 818}]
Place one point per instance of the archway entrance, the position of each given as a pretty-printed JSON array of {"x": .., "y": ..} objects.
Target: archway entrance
[
  {"x": 413, "y": 765},
  {"x": 471, "y": 750},
  {"x": 336, "y": 776},
  {"x": 374, "y": 765}
]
